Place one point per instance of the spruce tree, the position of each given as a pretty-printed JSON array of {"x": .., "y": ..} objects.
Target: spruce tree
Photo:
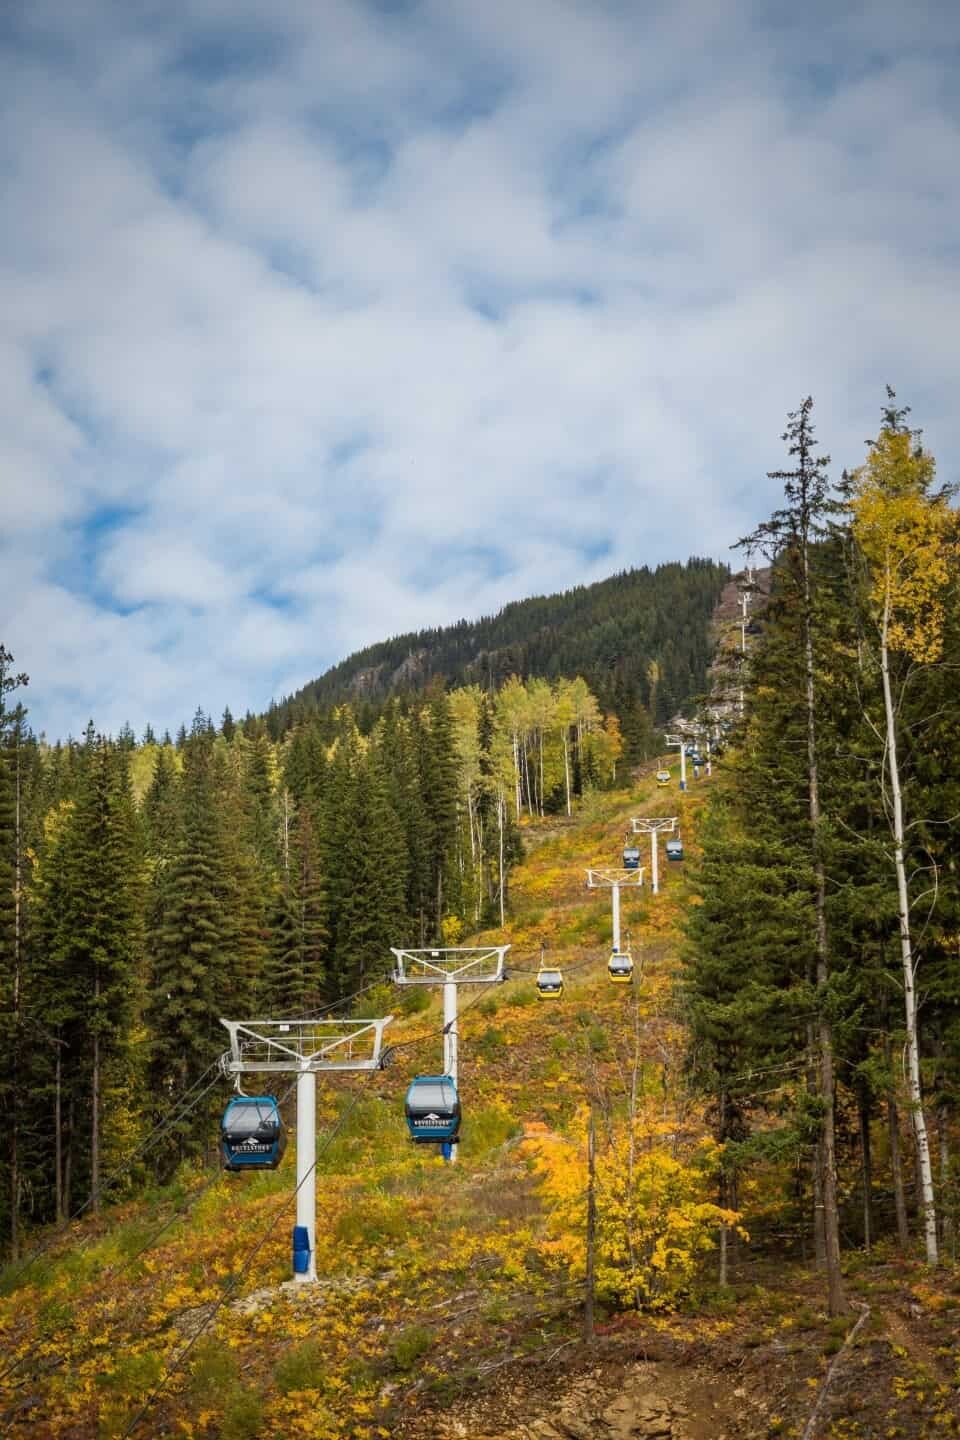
[{"x": 189, "y": 980}]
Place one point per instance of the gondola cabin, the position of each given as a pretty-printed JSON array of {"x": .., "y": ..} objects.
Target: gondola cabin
[
  {"x": 675, "y": 849},
  {"x": 631, "y": 858},
  {"x": 432, "y": 1109},
  {"x": 620, "y": 967},
  {"x": 549, "y": 984},
  {"x": 252, "y": 1133},
  {"x": 663, "y": 777}
]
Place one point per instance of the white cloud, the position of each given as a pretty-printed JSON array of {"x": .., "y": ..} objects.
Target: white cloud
[{"x": 324, "y": 322}]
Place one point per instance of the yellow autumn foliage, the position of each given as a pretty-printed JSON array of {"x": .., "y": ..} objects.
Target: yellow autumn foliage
[{"x": 910, "y": 540}]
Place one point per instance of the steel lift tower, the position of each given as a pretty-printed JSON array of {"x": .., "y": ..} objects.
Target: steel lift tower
[
  {"x": 450, "y": 967},
  {"x": 674, "y": 742},
  {"x": 611, "y": 878},
  {"x": 305, "y": 1048},
  {"x": 653, "y": 828}
]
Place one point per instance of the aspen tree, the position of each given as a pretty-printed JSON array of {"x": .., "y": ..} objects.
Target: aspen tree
[{"x": 908, "y": 537}]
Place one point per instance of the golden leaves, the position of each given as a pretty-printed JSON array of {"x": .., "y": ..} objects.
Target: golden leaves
[{"x": 910, "y": 541}]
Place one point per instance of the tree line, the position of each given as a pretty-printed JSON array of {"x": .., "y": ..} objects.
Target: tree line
[
  {"x": 822, "y": 975},
  {"x": 640, "y": 639},
  {"x": 148, "y": 888}
]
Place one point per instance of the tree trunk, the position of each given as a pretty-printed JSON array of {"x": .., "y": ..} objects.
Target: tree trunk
[
  {"x": 924, "y": 1168},
  {"x": 95, "y": 1113},
  {"x": 866, "y": 1164},
  {"x": 816, "y": 1168},
  {"x": 893, "y": 1131},
  {"x": 947, "y": 1232},
  {"x": 501, "y": 806},
  {"x": 591, "y": 1225},
  {"x": 68, "y": 1162},
  {"x": 566, "y": 768},
  {"x": 58, "y": 1135}
]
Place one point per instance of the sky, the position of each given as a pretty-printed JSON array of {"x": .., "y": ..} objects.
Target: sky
[{"x": 325, "y": 320}]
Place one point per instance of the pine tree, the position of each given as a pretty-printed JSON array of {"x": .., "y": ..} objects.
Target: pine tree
[
  {"x": 96, "y": 933},
  {"x": 190, "y": 984},
  {"x": 295, "y": 971},
  {"x": 789, "y": 538},
  {"x": 12, "y": 864}
]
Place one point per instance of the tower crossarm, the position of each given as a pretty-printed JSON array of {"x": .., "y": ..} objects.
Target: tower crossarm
[
  {"x": 297, "y": 1047},
  {"x": 659, "y": 823},
  {"x": 451, "y": 964},
  {"x": 607, "y": 875}
]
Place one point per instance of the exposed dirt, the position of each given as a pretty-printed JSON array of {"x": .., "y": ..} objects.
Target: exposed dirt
[{"x": 751, "y": 1377}]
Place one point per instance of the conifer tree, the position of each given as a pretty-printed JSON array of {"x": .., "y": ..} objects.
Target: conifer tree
[
  {"x": 12, "y": 921},
  {"x": 788, "y": 538},
  {"x": 189, "y": 984},
  {"x": 96, "y": 934},
  {"x": 295, "y": 971}
]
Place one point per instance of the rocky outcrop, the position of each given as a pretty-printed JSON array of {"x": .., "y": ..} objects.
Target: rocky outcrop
[{"x": 585, "y": 1411}]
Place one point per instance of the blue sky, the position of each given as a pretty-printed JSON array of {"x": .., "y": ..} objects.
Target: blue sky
[{"x": 321, "y": 320}]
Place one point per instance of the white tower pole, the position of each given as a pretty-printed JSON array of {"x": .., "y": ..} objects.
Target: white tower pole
[
  {"x": 615, "y": 892},
  {"x": 450, "y": 1049},
  {"x": 307, "y": 1165},
  {"x": 653, "y": 860},
  {"x": 683, "y": 765},
  {"x": 709, "y": 766},
  {"x": 450, "y": 1030}
]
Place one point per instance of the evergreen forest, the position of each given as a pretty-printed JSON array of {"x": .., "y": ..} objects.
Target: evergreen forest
[{"x": 148, "y": 889}]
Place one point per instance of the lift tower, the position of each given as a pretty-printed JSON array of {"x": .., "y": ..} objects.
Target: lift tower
[
  {"x": 653, "y": 828},
  {"x": 305, "y": 1048},
  {"x": 674, "y": 742},
  {"x": 450, "y": 966},
  {"x": 612, "y": 877}
]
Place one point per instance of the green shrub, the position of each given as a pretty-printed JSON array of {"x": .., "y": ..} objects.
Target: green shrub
[
  {"x": 523, "y": 995},
  {"x": 213, "y": 1369},
  {"x": 300, "y": 1368},
  {"x": 414, "y": 1000},
  {"x": 598, "y": 1040},
  {"x": 410, "y": 1345},
  {"x": 134, "y": 1375},
  {"x": 488, "y": 1006},
  {"x": 492, "y": 1043},
  {"x": 243, "y": 1417}
]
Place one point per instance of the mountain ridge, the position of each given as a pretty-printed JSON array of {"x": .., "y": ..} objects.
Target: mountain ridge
[{"x": 640, "y": 636}]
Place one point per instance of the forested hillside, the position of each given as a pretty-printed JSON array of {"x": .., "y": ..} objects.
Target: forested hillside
[
  {"x": 640, "y": 639},
  {"x": 149, "y": 889}
]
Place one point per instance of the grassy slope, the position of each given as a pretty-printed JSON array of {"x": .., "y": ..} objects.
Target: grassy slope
[{"x": 440, "y": 1311}]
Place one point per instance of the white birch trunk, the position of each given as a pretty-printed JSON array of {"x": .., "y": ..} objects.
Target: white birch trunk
[{"x": 914, "y": 1089}]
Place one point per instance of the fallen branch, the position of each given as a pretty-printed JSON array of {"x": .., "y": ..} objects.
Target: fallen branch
[{"x": 828, "y": 1379}]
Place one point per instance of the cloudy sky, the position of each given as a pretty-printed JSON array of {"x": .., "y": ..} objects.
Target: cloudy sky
[{"x": 321, "y": 320}]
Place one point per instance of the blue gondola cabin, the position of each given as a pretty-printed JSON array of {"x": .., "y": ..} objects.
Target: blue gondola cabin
[
  {"x": 675, "y": 849},
  {"x": 432, "y": 1109},
  {"x": 631, "y": 857},
  {"x": 252, "y": 1133}
]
